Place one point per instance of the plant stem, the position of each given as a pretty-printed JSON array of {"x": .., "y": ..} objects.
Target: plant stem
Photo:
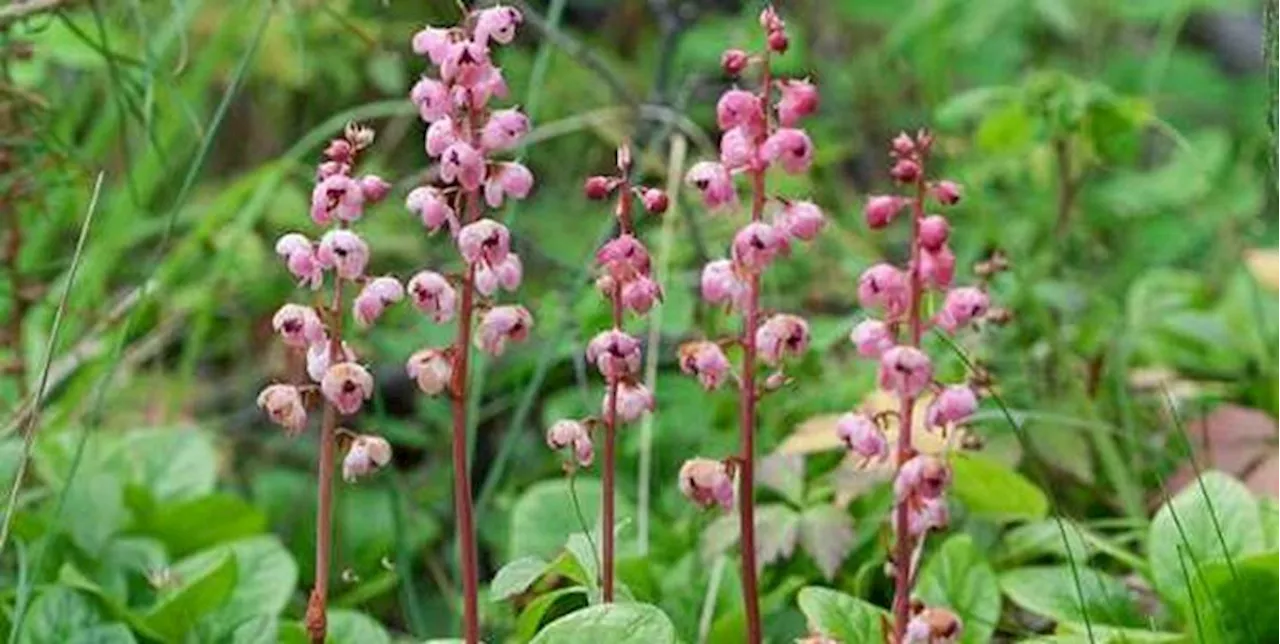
[
  {"x": 607, "y": 520},
  {"x": 904, "y": 545},
  {"x": 316, "y": 620},
  {"x": 461, "y": 473}
]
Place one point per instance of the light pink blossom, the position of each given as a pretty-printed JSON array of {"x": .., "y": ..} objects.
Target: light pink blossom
[
  {"x": 484, "y": 241},
  {"x": 872, "y": 338},
  {"x": 634, "y": 401},
  {"x": 861, "y": 435},
  {"x": 706, "y": 483},
  {"x": 962, "y": 306},
  {"x": 432, "y": 98},
  {"x": 298, "y": 325},
  {"x": 440, "y": 135},
  {"x": 501, "y": 324},
  {"x": 615, "y": 354},
  {"x": 366, "y": 455},
  {"x": 343, "y": 251},
  {"x": 507, "y": 180},
  {"x": 374, "y": 298},
  {"x": 498, "y": 23},
  {"x": 283, "y": 404},
  {"x": 318, "y": 358},
  {"x": 571, "y": 433},
  {"x": 432, "y": 369},
  {"x": 934, "y": 231},
  {"x": 432, "y": 42},
  {"x": 462, "y": 164},
  {"x": 924, "y": 476},
  {"x": 714, "y": 183},
  {"x": 336, "y": 196},
  {"x": 432, "y": 294},
  {"x": 800, "y": 220},
  {"x": 938, "y": 268},
  {"x": 881, "y": 209},
  {"x": 706, "y": 361},
  {"x": 782, "y": 335},
  {"x": 790, "y": 148},
  {"x": 905, "y": 371},
  {"x": 955, "y": 404},
  {"x": 504, "y": 129},
  {"x": 884, "y": 286},
  {"x": 756, "y": 245},
  {"x": 506, "y": 275},
  {"x": 640, "y": 294},
  {"x": 431, "y": 206},
  {"x": 624, "y": 258},
  {"x": 721, "y": 283},
  {"x": 347, "y": 385},
  {"x": 740, "y": 108},
  {"x": 300, "y": 258},
  {"x": 737, "y": 149},
  {"x": 799, "y": 99}
]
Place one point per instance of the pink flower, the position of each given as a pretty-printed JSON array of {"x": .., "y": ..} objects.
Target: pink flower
[
  {"x": 615, "y": 354},
  {"x": 962, "y": 306},
  {"x": 336, "y": 196},
  {"x": 623, "y": 258},
  {"x": 756, "y": 245},
  {"x": 374, "y": 298},
  {"x": 777, "y": 41},
  {"x": 799, "y": 99},
  {"x": 800, "y": 220},
  {"x": 721, "y": 283},
  {"x": 925, "y": 515},
  {"x": 489, "y": 84},
  {"x": 905, "y": 371},
  {"x": 283, "y": 404},
  {"x": 734, "y": 61},
  {"x": 366, "y": 455},
  {"x": 924, "y": 476},
  {"x": 465, "y": 63},
  {"x": 934, "y": 231},
  {"x": 740, "y": 108},
  {"x": 462, "y": 164},
  {"x": 440, "y": 135},
  {"x": 881, "y": 209},
  {"x": 599, "y": 187},
  {"x": 640, "y": 294},
  {"x": 706, "y": 361},
  {"x": 329, "y": 169},
  {"x": 338, "y": 150},
  {"x": 343, "y": 251},
  {"x": 737, "y": 150},
  {"x": 938, "y": 268},
  {"x": 432, "y": 207},
  {"x": 300, "y": 259},
  {"x": 571, "y": 433},
  {"x": 500, "y": 324},
  {"x": 318, "y": 359},
  {"x": 934, "y": 625},
  {"x": 883, "y": 285},
  {"x": 789, "y": 147},
  {"x": 432, "y": 98},
  {"x": 872, "y": 338},
  {"x": 298, "y": 325},
  {"x": 347, "y": 385},
  {"x": 905, "y": 171},
  {"x": 432, "y": 294},
  {"x": 861, "y": 435},
  {"x": 504, "y": 129},
  {"x": 634, "y": 401},
  {"x": 432, "y": 42},
  {"x": 780, "y": 336},
  {"x": 655, "y": 201},
  {"x": 715, "y": 184},
  {"x": 431, "y": 369},
  {"x": 706, "y": 483},
  {"x": 375, "y": 189},
  {"x": 770, "y": 20},
  {"x": 508, "y": 179},
  {"x": 954, "y": 405},
  {"x": 947, "y": 192},
  {"x": 902, "y": 145},
  {"x": 497, "y": 23},
  {"x": 484, "y": 241},
  {"x": 506, "y": 275}
]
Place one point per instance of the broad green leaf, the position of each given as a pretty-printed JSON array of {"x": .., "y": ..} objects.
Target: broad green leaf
[
  {"x": 113, "y": 633},
  {"x": 613, "y": 623},
  {"x": 837, "y": 615},
  {"x": 959, "y": 577},
  {"x": 585, "y": 554},
  {"x": 189, "y": 526},
  {"x": 1053, "y": 591},
  {"x": 1270, "y": 513},
  {"x": 784, "y": 474},
  {"x": 255, "y": 630},
  {"x": 516, "y": 577},
  {"x": 266, "y": 578},
  {"x": 112, "y": 606},
  {"x": 1237, "y": 602},
  {"x": 533, "y": 615},
  {"x": 544, "y": 517},
  {"x": 351, "y": 627},
  {"x": 1214, "y": 520},
  {"x": 202, "y": 590},
  {"x": 993, "y": 491},
  {"x": 970, "y": 105},
  {"x": 56, "y": 616},
  {"x": 826, "y": 533},
  {"x": 173, "y": 464},
  {"x": 1048, "y": 537}
]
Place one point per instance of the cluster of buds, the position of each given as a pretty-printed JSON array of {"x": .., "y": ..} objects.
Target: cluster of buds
[
  {"x": 625, "y": 279},
  {"x": 760, "y": 130},
  {"x": 337, "y": 202},
  {"x": 463, "y": 134},
  {"x": 893, "y": 340}
]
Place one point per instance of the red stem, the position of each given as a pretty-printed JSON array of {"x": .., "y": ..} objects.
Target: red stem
[
  {"x": 316, "y": 619},
  {"x": 461, "y": 474},
  {"x": 904, "y": 545},
  {"x": 607, "y": 511}
]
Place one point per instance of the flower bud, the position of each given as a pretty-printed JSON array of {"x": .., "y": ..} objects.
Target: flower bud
[
  {"x": 953, "y": 406},
  {"x": 780, "y": 336},
  {"x": 734, "y": 61},
  {"x": 500, "y": 325},
  {"x": 640, "y": 294},
  {"x": 740, "y": 108},
  {"x": 706, "y": 483},
  {"x": 790, "y": 148},
  {"x": 655, "y": 201},
  {"x": 338, "y": 150},
  {"x": 799, "y": 99},
  {"x": 634, "y": 401},
  {"x": 903, "y": 145},
  {"x": 961, "y": 306},
  {"x": 861, "y": 436},
  {"x": 905, "y": 371},
  {"x": 366, "y": 455},
  {"x": 624, "y": 258},
  {"x": 934, "y": 626},
  {"x": 707, "y": 361},
  {"x": 801, "y": 220},
  {"x": 777, "y": 41},
  {"x": 883, "y": 285},
  {"x": 934, "y": 231},
  {"x": 721, "y": 283},
  {"x": 938, "y": 267},
  {"x": 756, "y": 245},
  {"x": 905, "y": 171},
  {"x": 947, "y": 192},
  {"x": 432, "y": 369},
  {"x": 599, "y": 187},
  {"x": 375, "y": 188},
  {"x": 881, "y": 209},
  {"x": 283, "y": 404}
]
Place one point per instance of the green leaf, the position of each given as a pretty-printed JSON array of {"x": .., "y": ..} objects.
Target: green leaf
[
  {"x": 993, "y": 491},
  {"x": 516, "y": 577},
  {"x": 351, "y": 627},
  {"x": 837, "y": 615},
  {"x": 613, "y": 623},
  {"x": 533, "y": 615},
  {"x": 189, "y": 526},
  {"x": 959, "y": 577},
  {"x": 113, "y": 633},
  {"x": 826, "y": 533},
  {"x": 1214, "y": 520},
  {"x": 1044, "y": 538},
  {"x": 970, "y": 105},
  {"x": 256, "y": 630},
  {"x": 544, "y": 517},
  {"x": 173, "y": 464},
  {"x": 583, "y": 553},
  {"x": 56, "y": 616},
  {"x": 1052, "y": 591},
  {"x": 1237, "y": 603},
  {"x": 1270, "y": 513},
  {"x": 202, "y": 591},
  {"x": 266, "y": 578}
]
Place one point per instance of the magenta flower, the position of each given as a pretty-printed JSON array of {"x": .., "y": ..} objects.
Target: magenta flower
[
  {"x": 800, "y": 220},
  {"x": 737, "y": 149},
  {"x": 946, "y": 192},
  {"x": 962, "y": 306},
  {"x": 740, "y": 108},
  {"x": 506, "y": 275},
  {"x": 343, "y": 251},
  {"x": 431, "y": 369},
  {"x": 300, "y": 259},
  {"x": 924, "y": 515},
  {"x": 780, "y": 336},
  {"x": 715, "y": 184},
  {"x": 318, "y": 359},
  {"x": 721, "y": 283},
  {"x": 347, "y": 385},
  {"x": 283, "y": 404},
  {"x": 375, "y": 188},
  {"x": 298, "y": 325},
  {"x": 465, "y": 63},
  {"x": 706, "y": 361},
  {"x": 799, "y": 99},
  {"x": 954, "y": 405},
  {"x": 861, "y": 435},
  {"x": 881, "y": 209},
  {"x": 433, "y": 43},
  {"x": 905, "y": 371},
  {"x": 338, "y": 196},
  {"x": 498, "y": 23},
  {"x": 440, "y": 135},
  {"x": 504, "y": 130},
  {"x": 634, "y": 401},
  {"x": 484, "y": 241},
  {"x": 756, "y": 245},
  {"x": 872, "y": 338},
  {"x": 432, "y": 98},
  {"x": 615, "y": 354},
  {"x": 507, "y": 180},
  {"x": 734, "y": 61},
  {"x": 462, "y": 164},
  {"x": 501, "y": 324},
  {"x": 375, "y": 297},
  {"x": 924, "y": 477},
  {"x": 934, "y": 231},
  {"x": 655, "y": 201},
  {"x": 640, "y": 294},
  {"x": 624, "y": 258},
  {"x": 432, "y": 294},
  {"x": 938, "y": 268},
  {"x": 706, "y": 483},
  {"x": 571, "y": 433},
  {"x": 905, "y": 171},
  {"x": 366, "y": 455},
  {"x": 884, "y": 286},
  {"x": 790, "y": 148},
  {"x": 432, "y": 207}
]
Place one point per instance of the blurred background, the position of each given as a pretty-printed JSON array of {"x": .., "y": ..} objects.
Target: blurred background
[{"x": 1121, "y": 155}]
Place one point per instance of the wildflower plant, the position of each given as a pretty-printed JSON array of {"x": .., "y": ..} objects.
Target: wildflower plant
[
  {"x": 760, "y": 132},
  {"x": 338, "y": 380},
  {"x": 626, "y": 281},
  {"x": 900, "y": 295},
  {"x": 464, "y": 134}
]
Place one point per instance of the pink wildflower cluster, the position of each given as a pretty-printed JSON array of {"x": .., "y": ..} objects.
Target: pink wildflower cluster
[
  {"x": 893, "y": 340},
  {"x": 337, "y": 202}
]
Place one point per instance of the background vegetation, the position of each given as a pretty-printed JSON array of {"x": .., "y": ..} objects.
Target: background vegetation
[{"x": 1120, "y": 154}]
